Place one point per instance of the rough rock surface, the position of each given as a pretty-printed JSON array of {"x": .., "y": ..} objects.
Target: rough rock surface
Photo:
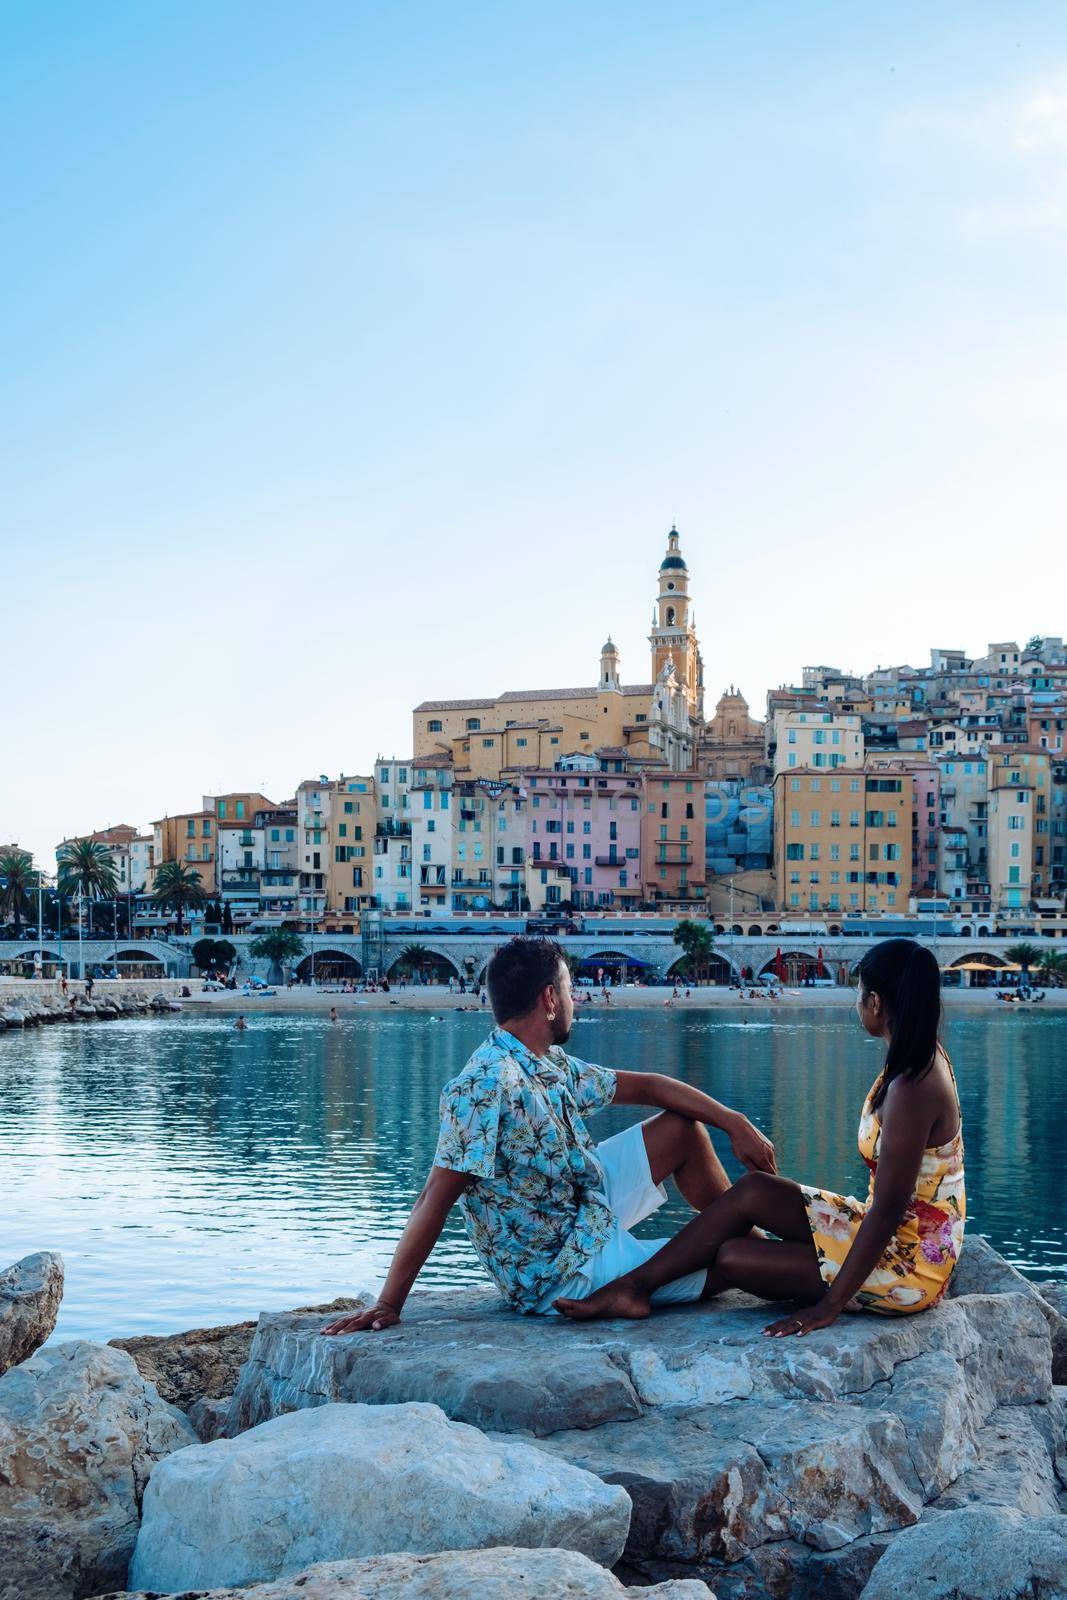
[
  {"x": 766, "y": 1467},
  {"x": 975, "y": 1554},
  {"x": 343, "y": 1481},
  {"x": 982, "y": 1271},
  {"x": 209, "y": 1417},
  {"x": 204, "y": 1363},
  {"x": 1055, "y": 1295},
  {"x": 501, "y": 1573},
  {"x": 30, "y": 1292},
  {"x": 80, "y": 1431}
]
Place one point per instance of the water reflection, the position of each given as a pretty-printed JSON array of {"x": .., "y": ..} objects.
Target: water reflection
[{"x": 190, "y": 1173}]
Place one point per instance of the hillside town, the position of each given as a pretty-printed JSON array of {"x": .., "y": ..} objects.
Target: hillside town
[{"x": 893, "y": 793}]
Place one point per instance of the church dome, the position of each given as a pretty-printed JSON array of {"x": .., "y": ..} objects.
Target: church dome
[
  {"x": 671, "y": 563},
  {"x": 609, "y": 649}
]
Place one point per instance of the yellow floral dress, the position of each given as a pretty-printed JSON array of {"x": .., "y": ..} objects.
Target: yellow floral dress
[{"x": 917, "y": 1263}]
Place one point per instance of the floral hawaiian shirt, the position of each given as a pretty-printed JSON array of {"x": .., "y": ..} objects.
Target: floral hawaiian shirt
[{"x": 536, "y": 1211}]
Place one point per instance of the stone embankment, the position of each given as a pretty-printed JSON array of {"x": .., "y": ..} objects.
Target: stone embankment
[
  {"x": 468, "y": 1453},
  {"x": 36, "y": 1011}
]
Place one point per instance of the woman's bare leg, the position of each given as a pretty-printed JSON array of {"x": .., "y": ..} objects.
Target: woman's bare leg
[{"x": 757, "y": 1200}]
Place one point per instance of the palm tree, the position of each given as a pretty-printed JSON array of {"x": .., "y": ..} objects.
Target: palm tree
[
  {"x": 695, "y": 939},
  {"x": 416, "y": 957},
  {"x": 1024, "y": 955},
  {"x": 178, "y": 887},
  {"x": 86, "y": 870},
  {"x": 17, "y": 876},
  {"x": 1053, "y": 967},
  {"x": 276, "y": 946}
]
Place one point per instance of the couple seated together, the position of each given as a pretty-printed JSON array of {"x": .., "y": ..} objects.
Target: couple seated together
[{"x": 549, "y": 1211}]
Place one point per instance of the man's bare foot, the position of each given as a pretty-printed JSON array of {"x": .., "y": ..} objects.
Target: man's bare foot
[{"x": 614, "y": 1300}]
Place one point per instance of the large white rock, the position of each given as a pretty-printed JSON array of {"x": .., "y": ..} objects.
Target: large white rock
[
  {"x": 80, "y": 1431},
  {"x": 30, "y": 1292},
  {"x": 975, "y": 1554},
  {"x": 343, "y": 1481},
  {"x": 498, "y": 1574}
]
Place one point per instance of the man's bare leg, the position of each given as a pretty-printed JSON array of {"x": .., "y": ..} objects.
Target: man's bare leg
[
  {"x": 756, "y": 1200},
  {"x": 681, "y": 1149}
]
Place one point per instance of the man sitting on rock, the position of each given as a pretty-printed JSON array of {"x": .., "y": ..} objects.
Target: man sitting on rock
[{"x": 547, "y": 1210}]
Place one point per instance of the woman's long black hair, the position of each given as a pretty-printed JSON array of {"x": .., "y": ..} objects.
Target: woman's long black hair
[{"x": 907, "y": 977}]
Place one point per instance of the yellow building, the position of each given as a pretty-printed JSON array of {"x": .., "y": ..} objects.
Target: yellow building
[
  {"x": 1020, "y": 844},
  {"x": 189, "y": 838},
  {"x": 534, "y": 727},
  {"x": 335, "y": 839},
  {"x": 842, "y": 840}
]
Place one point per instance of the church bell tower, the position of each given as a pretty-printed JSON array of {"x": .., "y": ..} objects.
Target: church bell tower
[{"x": 673, "y": 637}]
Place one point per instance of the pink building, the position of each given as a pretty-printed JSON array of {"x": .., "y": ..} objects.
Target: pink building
[{"x": 591, "y": 822}]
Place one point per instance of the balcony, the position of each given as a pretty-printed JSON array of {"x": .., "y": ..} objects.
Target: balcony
[
  {"x": 393, "y": 830},
  {"x": 612, "y": 861}
]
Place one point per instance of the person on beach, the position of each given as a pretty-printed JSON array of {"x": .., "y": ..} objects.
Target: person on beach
[
  {"x": 891, "y": 1253},
  {"x": 547, "y": 1210}
]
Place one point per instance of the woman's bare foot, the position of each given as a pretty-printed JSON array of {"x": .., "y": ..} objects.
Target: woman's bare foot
[{"x": 617, "y": 1299}]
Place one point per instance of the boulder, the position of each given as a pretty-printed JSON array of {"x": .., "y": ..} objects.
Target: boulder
[
  {"x": 30, "y": 1292},
  {"x": 1055, "y": 1295},
  {"x": 978, "y": 1553},
  {"x": 1013, "y": 1467},
  {"x": 80, "y": 1431},
  {"x": 714, "y": 1483},
  {"x": 345, "y": 1481},
  {"x": 209, "y": 1418},
  {"x": 544, "y": 1374},
  {"x": 765, "y": 1467},
  {"x": 455, "y": 1575},
  {"x": 203, "y": 1363},
  {"x": 981, "y": 1270},
  {"x": 186, "y": 1367}
]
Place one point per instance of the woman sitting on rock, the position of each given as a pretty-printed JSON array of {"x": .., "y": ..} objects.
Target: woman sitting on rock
[{"x": 893, "y": 1252}]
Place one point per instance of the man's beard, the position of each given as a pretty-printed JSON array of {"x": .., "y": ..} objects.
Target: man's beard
[{"x": 560, "y": 1032}]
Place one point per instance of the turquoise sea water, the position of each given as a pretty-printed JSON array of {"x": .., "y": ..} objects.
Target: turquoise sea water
[{"x": 191, "y": 1174}]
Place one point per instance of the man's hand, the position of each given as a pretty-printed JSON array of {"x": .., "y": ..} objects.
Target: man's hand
[
  {"x": 374, "y": 1318},
  {"x": 752, "y": 1148},
  {"x": 823, "y": 1315}
]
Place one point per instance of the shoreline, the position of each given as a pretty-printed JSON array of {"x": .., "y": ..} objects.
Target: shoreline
[{"x": 438, "y": 1000}]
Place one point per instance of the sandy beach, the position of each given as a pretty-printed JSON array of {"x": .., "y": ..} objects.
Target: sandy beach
[{"x": 631, "y": 997}]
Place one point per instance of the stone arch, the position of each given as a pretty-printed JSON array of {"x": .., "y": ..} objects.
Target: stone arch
[
  {"x": 719, "y": 970},
  {"x": 755, "y": 931},
  {"x": 798, "y": 964},
  {"x": 330, "y": 966},
  {"x": 966, "y": 931},
  {"x": 443, "y": 967},
  {"x": 984, "y": 958},
  {"x": 983, "y": 932},
  {"x": 834, "y": 930},
  {"x": 619, "y": 965}
]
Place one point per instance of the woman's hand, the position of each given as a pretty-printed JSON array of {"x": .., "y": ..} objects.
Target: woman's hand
[
  {"x": 823, "y": 1315},
  {"x": 751, "y": 1147}
]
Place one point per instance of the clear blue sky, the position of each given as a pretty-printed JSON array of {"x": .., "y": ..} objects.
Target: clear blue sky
[{"x": 353, "y": 355}]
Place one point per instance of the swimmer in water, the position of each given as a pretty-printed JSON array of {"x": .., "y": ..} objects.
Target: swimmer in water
[
  {"x": 333, "y": 1013},
  {"x": 240, "y": 1024}
]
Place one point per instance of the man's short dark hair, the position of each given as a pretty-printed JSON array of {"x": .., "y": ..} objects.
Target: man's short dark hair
[{"x": 518, "y": 972}]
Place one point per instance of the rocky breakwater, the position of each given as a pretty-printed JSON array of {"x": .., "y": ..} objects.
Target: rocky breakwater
[
  {"x": 766, "y": 1468},
  {"x": 80, "y": 1431},
  {"x": 26, "y": 1011}
]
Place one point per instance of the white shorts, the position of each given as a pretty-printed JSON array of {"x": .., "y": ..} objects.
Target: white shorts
[{"x": 632, "y": 1196}]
